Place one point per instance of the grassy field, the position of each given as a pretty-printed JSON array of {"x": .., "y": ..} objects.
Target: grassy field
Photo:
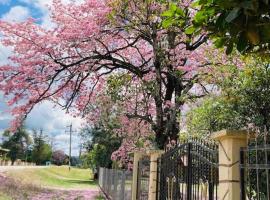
[
  {"x": 4, "y": 196},
  {"x": 55, "y": 177},
  {"x": 52, "y": 183}
]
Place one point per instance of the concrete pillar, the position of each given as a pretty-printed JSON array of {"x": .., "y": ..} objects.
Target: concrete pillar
[
  {"x": 154, "y": 155},
  {"x": 230, "y": 143},
  {"x": 136, "y": 158}
]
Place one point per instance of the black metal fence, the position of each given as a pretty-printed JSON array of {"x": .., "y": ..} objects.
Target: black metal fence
[
  {"x": 189, "y": 172},
  {"x": 143, "y": 178},
  {"x": 115, "y": 184},
  {"x": 255, "y": 168}
]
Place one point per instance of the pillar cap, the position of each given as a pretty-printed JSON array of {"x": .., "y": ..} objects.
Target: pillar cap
[
  {"x": 151, "y": 152},
  {"x": 236, "y": 134}
]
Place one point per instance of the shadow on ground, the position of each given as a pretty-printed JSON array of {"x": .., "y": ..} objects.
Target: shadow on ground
[{"x": 90, "y": 182}]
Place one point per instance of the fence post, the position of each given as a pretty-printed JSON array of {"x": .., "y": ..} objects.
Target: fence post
[
  {"x": 242, "y": 175},
  {"x": 137, "y": 156},
  {"x": 189, "y": 172},
  {"x": 123, "y": 182},
  {"x": 230, "y": 143},
  {"x": 154, "y": 155}
]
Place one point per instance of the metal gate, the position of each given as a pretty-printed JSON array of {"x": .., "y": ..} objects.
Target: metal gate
[
  {"x": 255, "y": 168},
  {"x": 189, "y": 172},
  {"x": 143, "y": 179}
]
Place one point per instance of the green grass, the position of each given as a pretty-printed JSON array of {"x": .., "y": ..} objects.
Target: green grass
[
  {"x": 55, "y": 177},
  {"x": 4, "y": 196},
  {"x": 100, "y": 197}
]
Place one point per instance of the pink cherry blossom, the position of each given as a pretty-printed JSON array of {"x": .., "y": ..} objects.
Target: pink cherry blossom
[{"x": 71, "y": 64}]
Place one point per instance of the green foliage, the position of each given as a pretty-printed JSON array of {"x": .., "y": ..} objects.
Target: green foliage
[
  {"x": 250, "y": 90},
  {"x": 243, "y": 24},
  {"x": 244, "y": 100},
  {"x": 98, "y": 157},
  {"x": 42, "y": 151},
  {"x": 100, "y": 144},
  {"x": 17, "y": 143},
  {"x": 174, "y": 16},
  {"x": 215, "y": 113},
  {"x": 115, "y": 84},
  {"x": 75, "y": 161}
]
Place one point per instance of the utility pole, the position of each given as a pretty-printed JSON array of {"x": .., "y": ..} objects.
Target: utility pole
[{"x": 70, "y": 138}]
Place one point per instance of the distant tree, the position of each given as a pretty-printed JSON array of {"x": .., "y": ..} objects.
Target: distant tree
[
  {"x": 100, "y": 144},
  {"x": 75, "y": 161},
  {"x": 58, "y": 157},
  {"x": 42, "y": 151},
  {"x": 17, "y": 143}
]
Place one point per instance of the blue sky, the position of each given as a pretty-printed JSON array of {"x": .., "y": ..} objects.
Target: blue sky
[
  {"x": 45, "y": 116},
  {"x": 7, "y": 4}
]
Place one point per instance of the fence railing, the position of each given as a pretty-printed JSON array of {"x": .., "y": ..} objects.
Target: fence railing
[
  {"x": 17, "y": 163},
  {"x": 143, "y": 179},
  {"x": 116, "y": 184},
  {"x": 255, "y": 168}
]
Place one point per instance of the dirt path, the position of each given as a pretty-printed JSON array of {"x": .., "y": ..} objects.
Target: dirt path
[{"x": 87, "y": 194}]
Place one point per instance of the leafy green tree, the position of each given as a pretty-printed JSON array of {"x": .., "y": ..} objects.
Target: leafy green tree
[
  {"x": 244, "y": 24},
  {"x": 249, "y": 89},
  {"x": 244, "y": 100},
  {"x": 100, "y": 145},
  {"x": 99, "y": 156},
  {"x": 214, "y": 114},
  {"x": 17, "y": 143},
  {"x": 42, "y": 151},
  {"x": 75, "y": 161}
]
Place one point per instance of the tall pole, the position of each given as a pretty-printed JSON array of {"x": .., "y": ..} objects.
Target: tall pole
[{"x": 70, "y": 131}]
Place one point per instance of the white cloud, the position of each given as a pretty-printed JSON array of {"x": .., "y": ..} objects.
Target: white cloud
[
  {"x": 4, "y": 2},
  {"x": 5, "y": 52},
  {"x": 62, "y": 137},
  {"x": 17, "y": 14},
  {"x": 43, "y": 5},
  {"x": 54, "y": 122},
  {"x": 61, "y": 142},
  {"x": 51, "y": 118},
  {"x": 38, "y": 3}
]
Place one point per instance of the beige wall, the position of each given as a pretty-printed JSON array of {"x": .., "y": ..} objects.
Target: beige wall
[
  {"x": 154, "y": 155},
  {"x": 230, "y": 143}
]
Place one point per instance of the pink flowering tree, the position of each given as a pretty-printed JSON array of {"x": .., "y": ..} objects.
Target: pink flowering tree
[
  {"x": 71, "y": 64},
  {"x": 58, "y": 157}
]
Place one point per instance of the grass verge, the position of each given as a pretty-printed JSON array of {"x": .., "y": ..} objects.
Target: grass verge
[
  {"x": 55, "y": 177},
  {"x": 4, "y": 196}
]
